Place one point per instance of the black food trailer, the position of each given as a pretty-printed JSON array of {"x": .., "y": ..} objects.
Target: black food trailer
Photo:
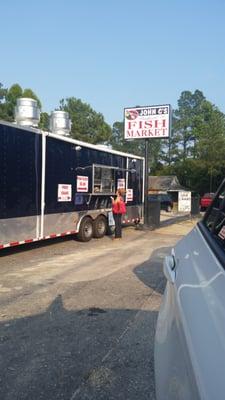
[{"x": 52, "y": 185}]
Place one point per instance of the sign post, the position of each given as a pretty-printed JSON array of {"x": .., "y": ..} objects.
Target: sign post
[
  {"x": 146, "y": 184},
  {"x": 150, "y": 122}
]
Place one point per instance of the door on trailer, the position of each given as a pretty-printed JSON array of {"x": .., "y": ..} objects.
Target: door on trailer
[
  {"x": 60, "y": 179},
  {"x": 20, "y": 183}
]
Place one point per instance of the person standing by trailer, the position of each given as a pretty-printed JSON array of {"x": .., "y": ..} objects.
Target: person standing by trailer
[{"x": 118, "y": 209}]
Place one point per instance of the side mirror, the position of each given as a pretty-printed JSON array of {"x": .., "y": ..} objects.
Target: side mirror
[{"x": 169, "y": 268}]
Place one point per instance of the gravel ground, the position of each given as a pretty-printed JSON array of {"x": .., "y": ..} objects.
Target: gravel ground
[{"x": 77, "y": 320}]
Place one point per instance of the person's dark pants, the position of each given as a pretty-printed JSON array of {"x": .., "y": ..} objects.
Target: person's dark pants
[{"x": 118, "y": 225}]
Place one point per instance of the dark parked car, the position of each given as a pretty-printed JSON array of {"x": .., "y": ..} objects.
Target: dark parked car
[
  {"x": 166, "y": 202},
  {"x": 206, "y": 200}
]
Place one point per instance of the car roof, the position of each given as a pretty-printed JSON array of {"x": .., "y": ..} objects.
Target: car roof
[{"x": 209, "y": 195}]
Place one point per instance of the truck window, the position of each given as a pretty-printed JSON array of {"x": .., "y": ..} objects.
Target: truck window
[
  {"x": 104, "y": 180},
  {"x": 214, "y": 219}
]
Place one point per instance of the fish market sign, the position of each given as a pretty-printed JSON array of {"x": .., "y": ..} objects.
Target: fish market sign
[{"x": 147, "y": 122}]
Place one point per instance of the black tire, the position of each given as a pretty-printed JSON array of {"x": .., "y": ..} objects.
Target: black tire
[
  {"x": 99, "y": 227},
  {"x": 86, "y": 230}
]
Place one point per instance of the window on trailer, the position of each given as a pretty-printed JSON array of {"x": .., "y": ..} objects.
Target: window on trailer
[{"x": 104, "y": 179}]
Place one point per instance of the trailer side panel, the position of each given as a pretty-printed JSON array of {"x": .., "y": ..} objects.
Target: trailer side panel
[{"x": 20, "y": 184}]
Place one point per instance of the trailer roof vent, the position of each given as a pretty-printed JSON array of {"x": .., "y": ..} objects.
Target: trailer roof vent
[
  {"x": 60, "y": 123},
  {"x": 27, "y": 112}
]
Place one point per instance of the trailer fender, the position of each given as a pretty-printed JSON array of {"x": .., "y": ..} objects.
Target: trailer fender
[{"x": 78, "y": 223}]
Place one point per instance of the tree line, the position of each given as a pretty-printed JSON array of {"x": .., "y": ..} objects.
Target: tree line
[{"x": 194, "y": 152}]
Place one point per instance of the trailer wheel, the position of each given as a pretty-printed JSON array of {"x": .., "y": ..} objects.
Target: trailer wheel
[
  {"x": 99, "y": 227},
  {"x": 86, "y": 230}
]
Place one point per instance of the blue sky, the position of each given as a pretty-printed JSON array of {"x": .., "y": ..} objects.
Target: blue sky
[{"x": 114, "y": 53}]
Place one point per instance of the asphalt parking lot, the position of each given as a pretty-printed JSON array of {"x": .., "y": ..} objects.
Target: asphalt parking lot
[{"x": 77, "y": 320}]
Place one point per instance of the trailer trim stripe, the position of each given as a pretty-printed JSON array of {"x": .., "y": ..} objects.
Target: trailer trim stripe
[
  {"x": 51, "y": 236},
  {"x": 14, "y": 244}
]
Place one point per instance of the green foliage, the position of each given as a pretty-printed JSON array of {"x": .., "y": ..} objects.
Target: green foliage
[
  {"x": 197, "y": 145},
  {"x": 87, "y": 124},
  {"x": 13, "y": 93},
  {"x": 3, "y": 92},
  {"x": 186, "y": 121},
  {"x": 3, "y": 108},
  {"x": 196, "y": 175},
  {"x": 44, "y": 121},
  {"x": 30, "y": 94}
]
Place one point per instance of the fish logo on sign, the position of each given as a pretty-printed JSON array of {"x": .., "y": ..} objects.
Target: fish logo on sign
[{"x": 131, "y": 114}]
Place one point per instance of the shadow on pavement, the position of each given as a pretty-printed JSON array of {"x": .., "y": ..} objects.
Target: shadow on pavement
[
  {"x": 94, "y": 353},
  {"x": 176, "y": 219},
  {"x": 88, "y": 354},
  {"x": 26, "y": 247},
  {"x": 151, "y": 272}
]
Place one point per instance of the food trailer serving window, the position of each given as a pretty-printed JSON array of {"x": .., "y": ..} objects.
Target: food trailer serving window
[{"x": 103, "y": 179}]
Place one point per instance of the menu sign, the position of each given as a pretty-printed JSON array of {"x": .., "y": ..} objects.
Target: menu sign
[
  {"x": 82, "y": 183},
  {"x": 64, "y": 192}
]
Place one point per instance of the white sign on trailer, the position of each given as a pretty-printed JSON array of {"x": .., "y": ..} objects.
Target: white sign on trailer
[
  {"x": 121, "y": 183},
  {"x": 129, "y": 195},
  {"x": 64, "y": 192},
  {"x": 82, "y": 183},
  {"x": 147, "y": 122}
]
